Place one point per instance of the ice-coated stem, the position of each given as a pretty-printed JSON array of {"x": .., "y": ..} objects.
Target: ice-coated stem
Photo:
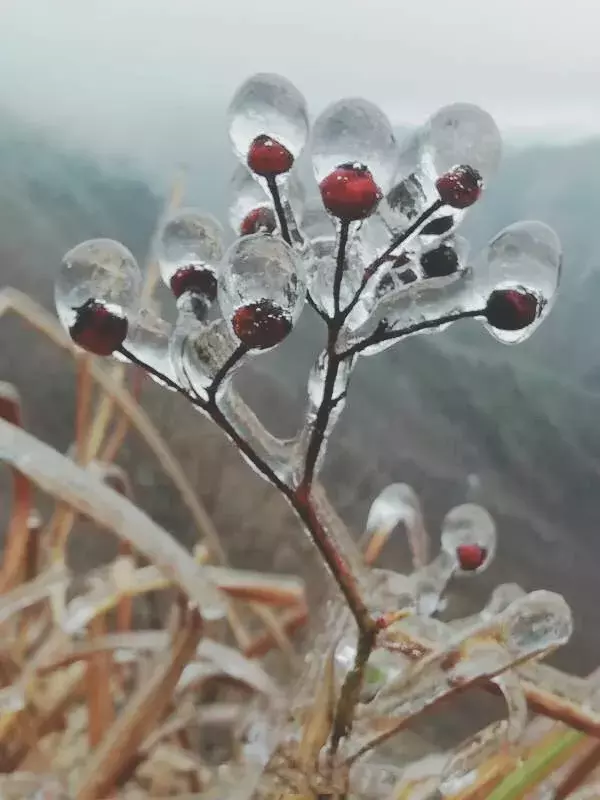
[
  {"x": 237, "y": 355},
  {"x": 340, "y": 265},
  {"x": 279, "y": 210},
  {"x": 298, "y": 499},
  {"x": 382, "y": 334}
]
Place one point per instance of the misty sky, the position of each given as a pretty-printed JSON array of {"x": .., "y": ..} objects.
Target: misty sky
[{"x": 109, "y": 72}]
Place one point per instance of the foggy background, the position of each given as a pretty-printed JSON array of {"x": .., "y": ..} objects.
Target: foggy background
[{"x": 101, "y": 102}]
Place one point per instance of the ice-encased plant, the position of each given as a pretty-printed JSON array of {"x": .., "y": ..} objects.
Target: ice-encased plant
[{"x": 377, "y": 258}]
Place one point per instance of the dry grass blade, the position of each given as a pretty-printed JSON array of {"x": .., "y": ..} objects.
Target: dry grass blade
[
  {"x": 317, "y": 726},
  {"x": 27, "y": 594},
  {"x": 60, "y": 477},
  {"x": 143, "y": 710},
  {"x": 17, "y": 537}
]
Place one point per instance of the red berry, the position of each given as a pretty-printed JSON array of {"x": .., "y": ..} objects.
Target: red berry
[
  {"x": 440, "y": 262},
  {"x": 98, "y": 328},
  {"x": 267, "y": 157},
  {"x": 471, "y": 556},
  {"x": 199, "y": 280},
  {"x": 511, "y": 309},
  {"x": 260, "y": 219},
  {"x": 350, "y": 192},
  {"x": 261, "y": 325},
  {"x": 460, "y": 187}
]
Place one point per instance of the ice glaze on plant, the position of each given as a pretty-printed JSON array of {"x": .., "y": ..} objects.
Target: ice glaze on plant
[{"x": 471, "y": 556}]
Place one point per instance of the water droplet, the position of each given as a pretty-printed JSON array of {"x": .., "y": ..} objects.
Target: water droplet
[
  {"x": 524, "y": 257},
  {"x": 469, "y": 536},
  {"x": 354, "y": 133},
  {"x": 96, "y": 290},
  {"x": 189, "y": 248},
  {"x": 268, "y": 105},
  {"x": 262, "y": 282}
]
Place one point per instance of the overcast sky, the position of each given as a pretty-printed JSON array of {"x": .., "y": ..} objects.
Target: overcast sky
[{"x": 107, "y": 71}]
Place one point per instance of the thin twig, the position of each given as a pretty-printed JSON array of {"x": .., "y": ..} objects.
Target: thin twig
[
  {"x": 237, "y": 355},
  {"x": 382, "y": 334},
  {"x": 279, "y": 210}
]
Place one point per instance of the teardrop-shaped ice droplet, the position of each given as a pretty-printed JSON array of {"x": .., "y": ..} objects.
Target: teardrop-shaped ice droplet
[
  {"x": 269, "y": 106},
  {"x": 261, "y": 290},
  {"x": 189, "y": 248},
  {"x": 469, "y": 536},
  {"x": 461, "y": 134},
  {"x": 538, "y": 622},
  {"x": 522, "y": 264},
  {"x": 148, "y": 339},
  {"x": 95, "y": 292},
  {"x": 458, "y": 135},
  {"x": 354, "y": 131},
  {"x": 397, "y": 503}
]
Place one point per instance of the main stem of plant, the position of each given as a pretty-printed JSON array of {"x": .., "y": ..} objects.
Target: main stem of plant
[{"x": 300, "y": 497}]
